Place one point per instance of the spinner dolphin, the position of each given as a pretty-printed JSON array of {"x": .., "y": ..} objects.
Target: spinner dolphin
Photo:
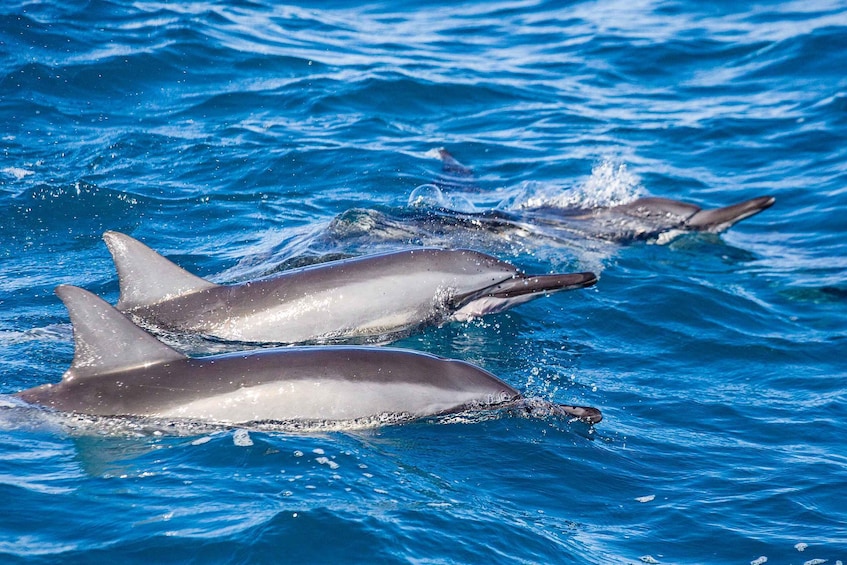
[
  {"x": 373, "y": 298},
  {"x": 120, "y": 370},
  {"x": 574, "y": 224}
]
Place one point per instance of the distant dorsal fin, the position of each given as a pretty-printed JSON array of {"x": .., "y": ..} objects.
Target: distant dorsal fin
[
  {"x": 105, "y": 340},
  {"x": 146, "y": 277},
  {"x": 454, "y": 175}
]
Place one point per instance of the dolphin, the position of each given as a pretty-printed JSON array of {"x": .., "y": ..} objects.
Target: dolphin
[
  {"x": 374, "y": 298},
  {"x": 119, "y": 369},
  {"x": 644, "y": 219}
]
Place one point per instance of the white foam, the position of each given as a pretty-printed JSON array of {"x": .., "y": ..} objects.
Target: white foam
[
  {"x": 241, "y": 438},
  {"x": 327, "y": 461},
  {"x": 16, "y": 172},
  {"x": 610, "y": 184}
]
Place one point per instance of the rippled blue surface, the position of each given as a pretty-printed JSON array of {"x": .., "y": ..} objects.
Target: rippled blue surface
[{"x": 228, "y": 136}]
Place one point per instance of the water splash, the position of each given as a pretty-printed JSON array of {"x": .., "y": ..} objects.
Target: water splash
[
  {"x": 610, "y": 184},
  {"x": 431, "y": 196}
]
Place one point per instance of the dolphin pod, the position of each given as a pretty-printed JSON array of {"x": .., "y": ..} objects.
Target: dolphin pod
[
  {"x": 373, "y": 298},
  {"x": 120, "y": 370}
]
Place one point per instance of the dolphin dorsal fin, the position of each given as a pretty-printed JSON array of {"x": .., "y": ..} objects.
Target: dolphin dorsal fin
[
  {"x": 145, "y": 277},
  {"x": 105, "y": 340}
]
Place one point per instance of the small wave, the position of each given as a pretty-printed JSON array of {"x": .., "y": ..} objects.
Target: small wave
[
  {"x": 74, "y": 212},
  {"x": 70, "y": 201}
]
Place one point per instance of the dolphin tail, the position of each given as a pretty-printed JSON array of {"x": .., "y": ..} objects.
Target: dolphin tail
[
  {"x": 517, "y": 290},
  {"x": 720, "y": 219},
  {"x": 145, "y": 277}
]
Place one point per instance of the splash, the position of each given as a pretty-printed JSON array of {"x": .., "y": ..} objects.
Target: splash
[
  {"x": 610, "y": 184},
  {"x": 431, "y": 196}
]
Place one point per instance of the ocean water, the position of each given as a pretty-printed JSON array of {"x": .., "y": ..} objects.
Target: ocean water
[{"x": 240, "y": 138}]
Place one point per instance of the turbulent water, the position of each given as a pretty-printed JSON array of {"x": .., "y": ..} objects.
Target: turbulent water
[{"x": 244, "y": 137}]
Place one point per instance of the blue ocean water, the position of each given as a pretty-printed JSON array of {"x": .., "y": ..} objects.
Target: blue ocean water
[{"x": 232, "y": 136}]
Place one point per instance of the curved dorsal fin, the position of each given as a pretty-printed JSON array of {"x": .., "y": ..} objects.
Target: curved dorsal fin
[
  {"x": 146, "y": 277},
  {"x": 105, "y": 340}
]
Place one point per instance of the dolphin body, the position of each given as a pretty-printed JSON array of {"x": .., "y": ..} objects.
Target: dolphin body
[
  {"x": 644, "y": 219},
  {"x": 652, "y": 219},
  {"x": 374, "y": 298},
  {"x": 120, "y": 370}
]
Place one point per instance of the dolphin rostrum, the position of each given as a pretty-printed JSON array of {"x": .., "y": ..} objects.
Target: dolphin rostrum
[
  {"x": 372, "y": 298},
  {"x": 120, "y": 370}
]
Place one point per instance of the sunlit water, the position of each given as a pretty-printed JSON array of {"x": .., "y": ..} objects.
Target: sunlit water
[{"x": 241, "y": 137}]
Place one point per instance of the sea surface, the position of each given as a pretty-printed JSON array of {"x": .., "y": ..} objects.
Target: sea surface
[{"x": 241, "y": 138}]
